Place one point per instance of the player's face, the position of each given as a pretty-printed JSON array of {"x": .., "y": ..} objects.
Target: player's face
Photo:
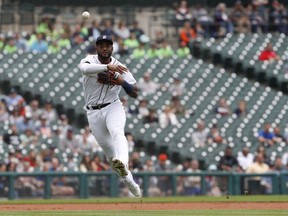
[{"x": 104, "y": 49}]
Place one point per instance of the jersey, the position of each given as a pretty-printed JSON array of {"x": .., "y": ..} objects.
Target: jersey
[{"x": 96, "y": 93}]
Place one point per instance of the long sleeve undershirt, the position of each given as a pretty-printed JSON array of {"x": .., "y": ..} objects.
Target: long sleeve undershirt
[{"x": 90, "y": 69}]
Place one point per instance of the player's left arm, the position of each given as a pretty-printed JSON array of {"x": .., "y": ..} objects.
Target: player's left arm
[{"x": 128, "y": 83}]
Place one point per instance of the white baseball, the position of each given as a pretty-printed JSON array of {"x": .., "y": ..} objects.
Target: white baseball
[{"x": 85, "y": 15}]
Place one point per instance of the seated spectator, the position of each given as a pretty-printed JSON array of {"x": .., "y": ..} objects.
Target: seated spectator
[
  {"x": 64, "y": 41},
  {"x": 241, "y": 110},
  {"x": 199, "y": 137},
  {"x": 20, "y": 42},
  {"x": 94, "y": 30},
  {"x": 54, "y": 47},
  {"x": 262, "y": 150},
  {"x": 278, "y": 137},
  {"x": 24, "y": 123},
  {"x": 201, "y": 15},
  {"x": 39, "y": 45},
  {"x": 143, "y": 109},
  {"x": 177, "y": 88},
  {"x": 245, "y": 158},
  {"x": 278, "y": 15},
  {"x": 121, "y": 30},
  {"x": 151, "y": 118},
  {"x": 176, "y": 106},
  {"x": 98, "y": 165},
  {"x": 268, "y": 54},
  {"x": 187, "y": 34},
  {"x": 240, "y": 18},
  {"x": 222, "y": 21},
  {"x": 228, "y": 162},
  {"x": 131, "y": 42},
  {"x": 49, "y": 112},
  {"x": 107, "y": 28},
  {"x": 139, "y": 52},
  {"x": 85, "y": 164},
  {"x": 34, "y": 110},
  {"x": 153, "y": 51},
  {"x": 10, "y": 47},
  {"x": 200, "y": 31},
  {"x": 192, "y": 184},
  {"x": 167, "y": 117},
  {"x": 146, "y": 85},
  {"x": 182, "y": 50},
  {"x": 43, "y": 129},
  {"x": 136, "y": 30},
  {"x": 70, "y": 141},
  {"x": 29, "y": 138},
  {"x": 12, "y": 137},
  {"x": 130, "y": 140},
  {"x": 182, "y": 13},
  {"x": 278, "y": 166},
  {"x": 166, "y": 50},
  {"x": 164, "y": 182},
  {"x": 285, "y": 158},
  {"x": 257, "y": 16},
  {"x": 260, "y": 167},
  {"x": 265, "y": 136},
  {"x": 14, "y": 98},
  {"x": 222, "y": 108},
  {"x": 122, "y": 49},
  {"x": 214, "y": 136},
  {"x": 87, "y": 140}
]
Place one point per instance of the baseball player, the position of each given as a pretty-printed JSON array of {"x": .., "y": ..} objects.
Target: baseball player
[{"x": 103, "y": 79}]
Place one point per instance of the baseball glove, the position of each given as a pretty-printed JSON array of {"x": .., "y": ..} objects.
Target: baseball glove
[{"x": 108, "y": 77}]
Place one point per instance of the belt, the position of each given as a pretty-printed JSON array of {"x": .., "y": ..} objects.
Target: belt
[{"x": 97, "y": 107}]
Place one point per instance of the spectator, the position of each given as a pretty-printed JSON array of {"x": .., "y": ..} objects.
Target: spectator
[
  {"x": 166, "y": 50},
  {"x": 54, "y": 48},
  {"x": 12, "y": 137},
  {"x": 201, "y": 15},
  {"x": 240, "y": 18},
  {"x": 70, "y": 141},
  {"x": 29, "y": 138},
  {"x": 139, "y": 52},
  {"x": 222, "y": 108},
  {"x": 278, "y": 165},
  {"x": 262, "y": 150},
  {"x": 153, "y": 189},
  {"x": 228, "y": 161},
  {"x": 245, "y": 158},
  {"x": 135, "y": 163},
  {"x": 49, "y": 112},
  {"x": 199, "y": 137},
  {"x": 241, "y": 110},
  {"x": 268, "y": 54},
  {"x": 85, "y": 164},
  {"x": 146, "y": 85},
  {"x": 285, "y": 158},
  {"x": 20, "y": 42},
  {"x": 177, "y": 88},
  {"x": 265, "y": 136},
  {"x": 39, "y": 45},
  {"x": 222, "y": 21},
  {"x": 130, "y": 140},
  {"x": 214, "y": 136},
  {"x": 159, "y": 38},
  {"x": 43, "y": 129},
  {"x": 88, "y": 141},
  {"x": 153, "y": 51},
  {"x": 200, "y": 31},
  {"x": 2, "y": 41},
  {"x": 257, "y": 19},
  {"x": 64, "y": 41},
  {"x": 182, "y": 13},
  {"x": 164, "y": 182},
  {"x": 143, "y": 108},
  {"x": 212, "y": 182},
  {"x": 182, "y": 50},
  {"x": 176, "y": 106},
  {"x": 278, "y": 137},
  {"x": 278, "y": 17},
  {"x": 123, "y": 50},
  {"x": 136, "y": 30},
  {"x": 192, "y": 184},
  {"x": 14, "y": 98},
  {"x": 34, "y": 110},
  {"x": 121, "y": 30},
  {"x": 260, "y": 167},
  {"x": 10, "y": 47},
  {"x": 131, "y": 42},
  {"x": 24, "y": 123},
  {"x": 187, "y": 34},
  {"x": 167, "y": 117},
  {"x": 151, "y": 118},
  {"x": 107, "y": 28},
  {"x": 78, "y": 37},
  {"x": 98, "y": 165},
  {"x": 94, "y": 30}
]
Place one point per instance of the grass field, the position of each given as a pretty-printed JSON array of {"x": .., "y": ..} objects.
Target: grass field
[{"x": 188, "y": 200}]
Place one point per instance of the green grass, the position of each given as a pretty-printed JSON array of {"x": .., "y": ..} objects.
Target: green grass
[
  {"x": 247, "y": 198},
  {"x": 153, "y": 213}
]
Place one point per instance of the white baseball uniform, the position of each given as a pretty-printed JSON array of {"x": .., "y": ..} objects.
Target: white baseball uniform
[{"x": 108, "y": 123}]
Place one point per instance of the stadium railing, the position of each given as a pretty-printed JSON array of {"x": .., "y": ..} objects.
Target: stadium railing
[{"x": 235, "y": 181}]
